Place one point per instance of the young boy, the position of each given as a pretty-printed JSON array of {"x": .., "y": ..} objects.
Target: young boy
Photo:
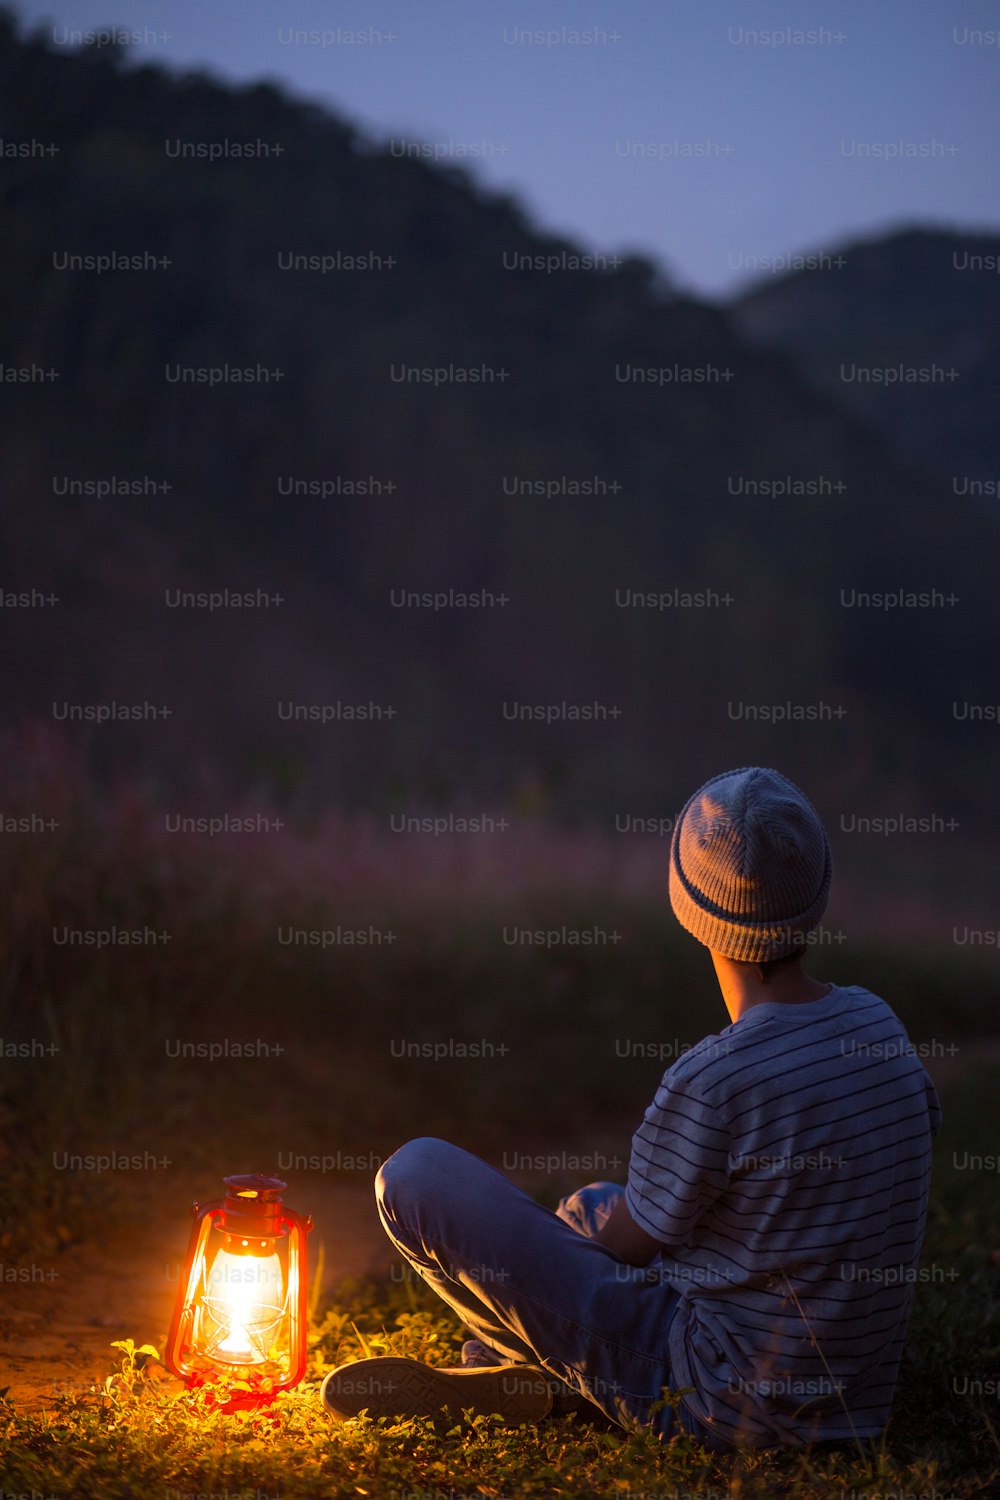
[{"x": 761, "y": 1257}]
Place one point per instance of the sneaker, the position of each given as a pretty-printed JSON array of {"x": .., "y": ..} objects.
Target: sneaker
[
  {"x": 392, "y": 1386},
  {"x": 477, "y": 1356}
]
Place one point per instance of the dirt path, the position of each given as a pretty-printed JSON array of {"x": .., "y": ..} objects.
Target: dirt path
[{"x": 56, "y": 1330}]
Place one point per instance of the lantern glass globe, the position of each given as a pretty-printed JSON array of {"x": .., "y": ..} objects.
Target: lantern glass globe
[{"x": 243, "y": 1307}]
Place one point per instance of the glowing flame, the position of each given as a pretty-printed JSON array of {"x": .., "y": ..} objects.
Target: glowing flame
[{"x": 245, "y": 1301}]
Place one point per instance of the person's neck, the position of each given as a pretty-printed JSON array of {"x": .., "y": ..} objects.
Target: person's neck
[{"x": 742, "y": 986}]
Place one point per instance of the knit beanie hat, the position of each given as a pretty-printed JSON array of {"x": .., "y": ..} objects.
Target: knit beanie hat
[{"x": 750, "y": 865}]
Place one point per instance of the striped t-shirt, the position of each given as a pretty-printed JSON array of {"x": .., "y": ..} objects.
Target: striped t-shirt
[{"x": 785, "y": 1163}]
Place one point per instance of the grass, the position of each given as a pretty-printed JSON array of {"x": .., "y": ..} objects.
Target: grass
[
  {"x": 138, "y": 1437},
  {"x": 588, "y": 1032}
]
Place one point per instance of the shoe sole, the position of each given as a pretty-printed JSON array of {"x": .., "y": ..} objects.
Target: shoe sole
[{"x": 391, "y": 1386}]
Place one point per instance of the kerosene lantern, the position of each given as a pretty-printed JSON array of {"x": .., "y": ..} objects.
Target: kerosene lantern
[{"x": 241, "y": 1297}]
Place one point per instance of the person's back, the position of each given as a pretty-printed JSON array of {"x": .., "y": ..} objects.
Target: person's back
[
  {"x": 785, "y": 1163},
  {"x": 759, "y": 1263}
]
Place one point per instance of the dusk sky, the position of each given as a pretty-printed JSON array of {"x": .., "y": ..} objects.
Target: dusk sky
[{"x": 686, "y": 131}]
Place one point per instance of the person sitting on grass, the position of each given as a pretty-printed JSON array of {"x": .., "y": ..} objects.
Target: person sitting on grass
[{"x": 750, "y": 1284}]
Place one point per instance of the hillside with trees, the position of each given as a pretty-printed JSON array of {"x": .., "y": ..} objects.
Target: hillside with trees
[
  {"x": 914, "y": 302},
  {"x": 344, "y": 482}
]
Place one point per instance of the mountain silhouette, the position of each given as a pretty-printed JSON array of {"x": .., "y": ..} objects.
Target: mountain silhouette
[
  {"x": 628, "y": 505},
  {"x": 921, "y": 309}
]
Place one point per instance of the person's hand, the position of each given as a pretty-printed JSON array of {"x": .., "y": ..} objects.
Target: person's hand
[{"x": 626, "y": 1239}]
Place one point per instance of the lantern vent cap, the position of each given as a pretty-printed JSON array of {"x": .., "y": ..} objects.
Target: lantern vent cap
[{"x": 255, "y": 1185}]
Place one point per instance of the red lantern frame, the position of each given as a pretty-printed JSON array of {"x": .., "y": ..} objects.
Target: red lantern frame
[{"x": 251, "y": 1220}]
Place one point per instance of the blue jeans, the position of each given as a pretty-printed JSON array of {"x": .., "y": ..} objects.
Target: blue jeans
[{"x": 532, "y": 1284}]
